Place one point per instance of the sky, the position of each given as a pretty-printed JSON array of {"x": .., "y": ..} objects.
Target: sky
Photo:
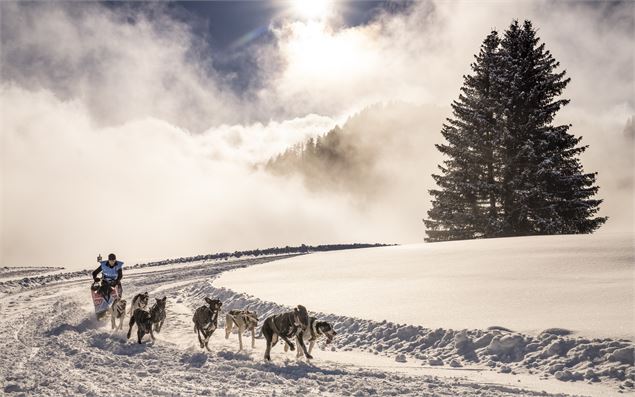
[{"x": 137, "y": 128}]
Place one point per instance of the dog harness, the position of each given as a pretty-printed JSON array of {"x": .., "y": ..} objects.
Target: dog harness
[
  {"x": 273, "y": 326},
  {"x": 314, "y": 331},
  {"x": 111, "y": 273},
  {"x": 213, "y": 323}
]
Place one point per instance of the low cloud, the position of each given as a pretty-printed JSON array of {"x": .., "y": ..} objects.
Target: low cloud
[{"x": 145, "y": 189}]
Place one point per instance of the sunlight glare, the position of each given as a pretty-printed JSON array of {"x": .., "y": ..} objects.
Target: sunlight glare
[{"x": 312, "y": 9}]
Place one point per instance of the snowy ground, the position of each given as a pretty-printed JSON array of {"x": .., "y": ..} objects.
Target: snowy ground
[
  {"x": 583, "y": 283},
  {"x": 50, "y": 344}
]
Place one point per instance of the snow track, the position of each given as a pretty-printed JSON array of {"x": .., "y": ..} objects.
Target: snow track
[{"x": 51, "y": 345}]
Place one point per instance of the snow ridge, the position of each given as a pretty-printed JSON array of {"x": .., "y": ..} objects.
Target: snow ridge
[{"x": 548, "y": 354}]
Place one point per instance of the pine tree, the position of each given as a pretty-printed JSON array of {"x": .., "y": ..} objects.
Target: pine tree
[
  {"x": 510, "y": 171},
  {"x": 465, "y": 206},
  {"x": 544, "y": 188}
]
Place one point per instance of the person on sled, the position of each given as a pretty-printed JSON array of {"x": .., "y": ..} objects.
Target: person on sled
[{"x": 112, "y": 275}]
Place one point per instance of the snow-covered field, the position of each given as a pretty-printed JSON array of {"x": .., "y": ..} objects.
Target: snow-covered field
[
  {"x": 583, "y": 283},
  {"x": 50, "y": 344}
]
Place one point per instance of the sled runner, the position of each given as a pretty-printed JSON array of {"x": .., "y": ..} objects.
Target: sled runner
[{"x": 104, "y": 295}]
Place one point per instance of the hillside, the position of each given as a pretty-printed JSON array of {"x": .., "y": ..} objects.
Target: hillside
[
  {"x": 361, "y": 157},
  {"x": 583, "y": 283}
]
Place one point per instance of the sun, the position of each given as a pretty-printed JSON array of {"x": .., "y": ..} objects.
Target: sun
[{"x": 312, "y": 9}]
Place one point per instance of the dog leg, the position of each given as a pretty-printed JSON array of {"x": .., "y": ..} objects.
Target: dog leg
[
  {"x": 139, "y": 334},
  {"x": 298, "y": 353},
  {"x": 207, "y": 341},
  {"x": 200, "y": 341},
  {"x": 311, "y": 345},
  {"x": 160, "y": 325},
  {"x": 240, "y": 338},
  {"x": 229, "y": 325},
  {"x": 112, "y": 318},
  {"x": 253, "y": 338},
  {"x": 288, "y": 342},
  {"x": 299, "y": 336},
  {"x": 306, "y": 353},
  {"x": 131, "y": 324},
  {"x": 151, "y": 334},
  {"x": 268, "y": 349},
  {"x": 268, "y": 338}
]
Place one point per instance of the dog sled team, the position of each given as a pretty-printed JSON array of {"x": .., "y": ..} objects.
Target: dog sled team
[{"x": 107, "y": 297}]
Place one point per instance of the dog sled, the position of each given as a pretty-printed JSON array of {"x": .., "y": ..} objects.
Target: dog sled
[{"x": 104, "y": 294}]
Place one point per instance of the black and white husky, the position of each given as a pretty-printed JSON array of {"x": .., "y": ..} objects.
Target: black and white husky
[
  {"x": 206, "y": 320},
  {"x": 285, "y": 326},
  {"x": 315, "y": 330},
  {"x": 117, "y": 312},
  {"x": 140, "y": 301},
  {"x": 244, "y": 320}
]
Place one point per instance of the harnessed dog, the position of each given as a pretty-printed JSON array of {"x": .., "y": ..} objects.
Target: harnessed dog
[
  {"x": 206, "y": 320},
  {"x": 314, "y": 331},
  {"x": 244, "y": 320},
  {"x": 157, "y": 313},
  {"x": 144, "y": 324},
  {"x": 117, "y": 311},
  {"x": 285, "y": 326},
  {"x": 140, "y": 301}
]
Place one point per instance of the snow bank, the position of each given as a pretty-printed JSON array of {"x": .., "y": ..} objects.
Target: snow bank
[{"x": 566, "y": 358}]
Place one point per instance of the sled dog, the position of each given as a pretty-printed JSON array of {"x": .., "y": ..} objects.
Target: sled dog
[
  {"x": 157, "y": 313},
  {"x": 315, "y": 330},
  {"x": 117, "y": 312},
  {"x": 144, "y": 324},
  {"x": 206, "y": 321},
  {"x": 285, "y": 326},
  {"x": 140, "y": 301},
  {"x": 244, "y": 320}
]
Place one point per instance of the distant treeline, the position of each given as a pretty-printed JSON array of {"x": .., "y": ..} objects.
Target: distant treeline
[{"x": 300, "y": 249}]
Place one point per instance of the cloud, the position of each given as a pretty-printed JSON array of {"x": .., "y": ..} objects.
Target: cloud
[
  {"x": 119, "y": 135},
  {"x": 121, "y": 63},
  {"x": 144, "y": 189}
]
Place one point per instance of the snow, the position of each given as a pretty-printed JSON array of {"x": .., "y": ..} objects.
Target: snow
[
  {"x": 581, "y": 283},
  {"x": 51, "y": 345}
]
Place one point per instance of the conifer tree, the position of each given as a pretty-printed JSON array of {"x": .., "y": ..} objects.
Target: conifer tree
[
  {"x": 545, "y": 190},
  {"x": 465, "y": 206},
  {"x": 510, "y": 171}
]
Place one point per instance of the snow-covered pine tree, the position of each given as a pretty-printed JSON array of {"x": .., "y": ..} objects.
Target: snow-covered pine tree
[
  {"x": 465, "y": 205},
  {"x": 545, "y": 190},
  {"x": 510, "y": 171}
]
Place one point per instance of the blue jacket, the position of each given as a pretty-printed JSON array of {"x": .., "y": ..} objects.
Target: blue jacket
[{"x": 110, "y": 273}]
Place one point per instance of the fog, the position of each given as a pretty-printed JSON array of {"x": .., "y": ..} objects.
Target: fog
[{"x": 119, "y": 136}]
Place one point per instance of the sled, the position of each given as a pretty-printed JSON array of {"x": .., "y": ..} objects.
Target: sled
[{"x": 102, "y": 304}]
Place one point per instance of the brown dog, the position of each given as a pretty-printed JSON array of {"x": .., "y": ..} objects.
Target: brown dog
[{"x": 206, "y": 320}]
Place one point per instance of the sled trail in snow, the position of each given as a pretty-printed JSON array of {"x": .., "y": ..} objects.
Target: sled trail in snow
[{"x": 51, "y": 345}]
